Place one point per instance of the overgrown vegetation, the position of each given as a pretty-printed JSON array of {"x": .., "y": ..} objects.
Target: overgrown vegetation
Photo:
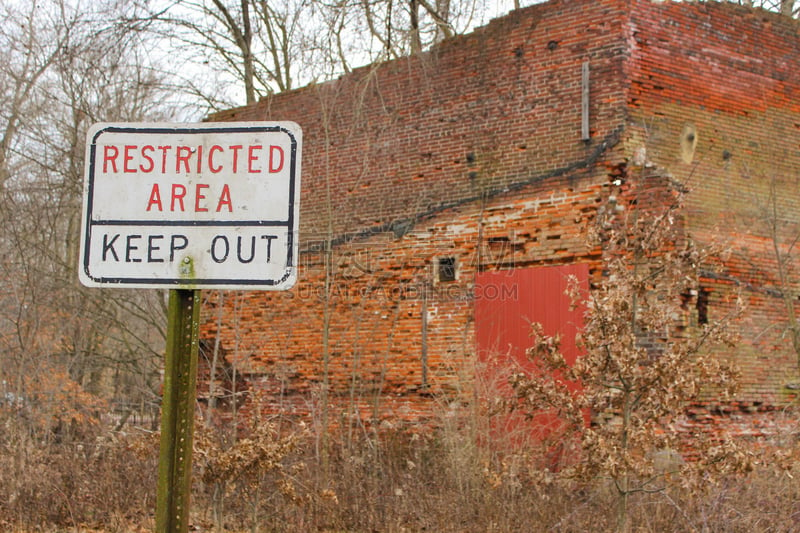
[
  {"x": 646, "y": 355},
  {"x": 395, "y": 481}
]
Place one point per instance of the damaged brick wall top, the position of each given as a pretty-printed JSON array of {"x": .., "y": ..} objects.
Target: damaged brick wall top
[{"x": 481, "y": 112}]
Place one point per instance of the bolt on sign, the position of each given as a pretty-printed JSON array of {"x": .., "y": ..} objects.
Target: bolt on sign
[{"x": 191, "y": 206}]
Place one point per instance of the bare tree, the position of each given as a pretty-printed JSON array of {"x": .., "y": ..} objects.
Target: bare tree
[
  {"x": 263, "y": 47},
  {"x": 774, "y": 251},
  {"x": 784, "y": 7},
  {"x": 70, "y": 67},
  {"x": 257, "y": 43},
  {"x": 32, "y": 43},
  {"x": 413, "y": 25}
]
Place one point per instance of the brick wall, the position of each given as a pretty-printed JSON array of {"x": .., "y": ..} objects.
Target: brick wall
[
  {"x": 478, "y": 114},
  {"x": 399, "y": 340},
  {"x": 473, "y": 152},
  {"x": 728, "y": 76}
]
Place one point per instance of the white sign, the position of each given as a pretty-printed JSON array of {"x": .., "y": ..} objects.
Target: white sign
[{"x": 191, "y": 206}]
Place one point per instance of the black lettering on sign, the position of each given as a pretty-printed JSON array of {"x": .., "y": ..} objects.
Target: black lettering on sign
[
  {"x": 176, "y": 243},
  {"x": 130, "y": 247},
  {"x": 269, "y": 239},
  {"x": 108, "y": 246},
  {"x": 151, "y": 248},
  {"x": 226, "y": 249},
  {"x": 246, "y": 252}
]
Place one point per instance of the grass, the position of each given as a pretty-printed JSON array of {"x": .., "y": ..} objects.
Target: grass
[{"x": 391, "y": 482}]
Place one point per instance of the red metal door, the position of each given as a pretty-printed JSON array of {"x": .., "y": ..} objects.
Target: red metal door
[{"x": 507, "y": 302}]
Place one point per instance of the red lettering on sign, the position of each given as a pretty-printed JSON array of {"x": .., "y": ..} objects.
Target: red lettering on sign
[
  {"x": 184, "y": 159},
  {"x": 147, "y": 158},
  {"x": 199, "y": 159},
  {"x": 275, "y": 152},
  {"x": 211, "y": 166},
  {"x": 127, "y": 158},
  {"x": 182, "y": 155},
  {"x": 164, "y": 150},
  {"x": 235, "y": 156},
  {"x": 178, "y": 192},
  {"x": 225, "y": 199},
  {"x": 252, "y": 158},
  {"x": 179, "y": 195},
  {"x": 155, "y": 198},
  {"x": 199, "y": 196},
  {"x": 110, "y": 153}
]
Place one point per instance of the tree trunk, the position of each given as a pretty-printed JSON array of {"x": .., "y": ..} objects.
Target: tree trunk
[{"x": 416, "y": 40}]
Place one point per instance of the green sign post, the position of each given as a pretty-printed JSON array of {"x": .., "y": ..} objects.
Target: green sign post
[{"x": 177, "y": 412}]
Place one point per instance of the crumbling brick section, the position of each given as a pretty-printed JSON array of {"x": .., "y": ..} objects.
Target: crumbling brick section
[
  {"x": 421, "y": 172},
  {"x": 713, "y": 99}
]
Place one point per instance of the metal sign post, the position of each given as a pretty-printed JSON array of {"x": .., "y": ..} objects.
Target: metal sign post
[
  {"x": 188, "y": 207},
  {"x": 177, "y": 412}
]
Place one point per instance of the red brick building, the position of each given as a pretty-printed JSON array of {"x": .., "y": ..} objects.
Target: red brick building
[{"x": 445, "y": 195}]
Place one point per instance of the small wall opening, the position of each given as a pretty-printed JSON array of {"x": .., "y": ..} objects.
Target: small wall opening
[
  {"x": 702, "y": 306},
  {"x": 446, "y": 269}
]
